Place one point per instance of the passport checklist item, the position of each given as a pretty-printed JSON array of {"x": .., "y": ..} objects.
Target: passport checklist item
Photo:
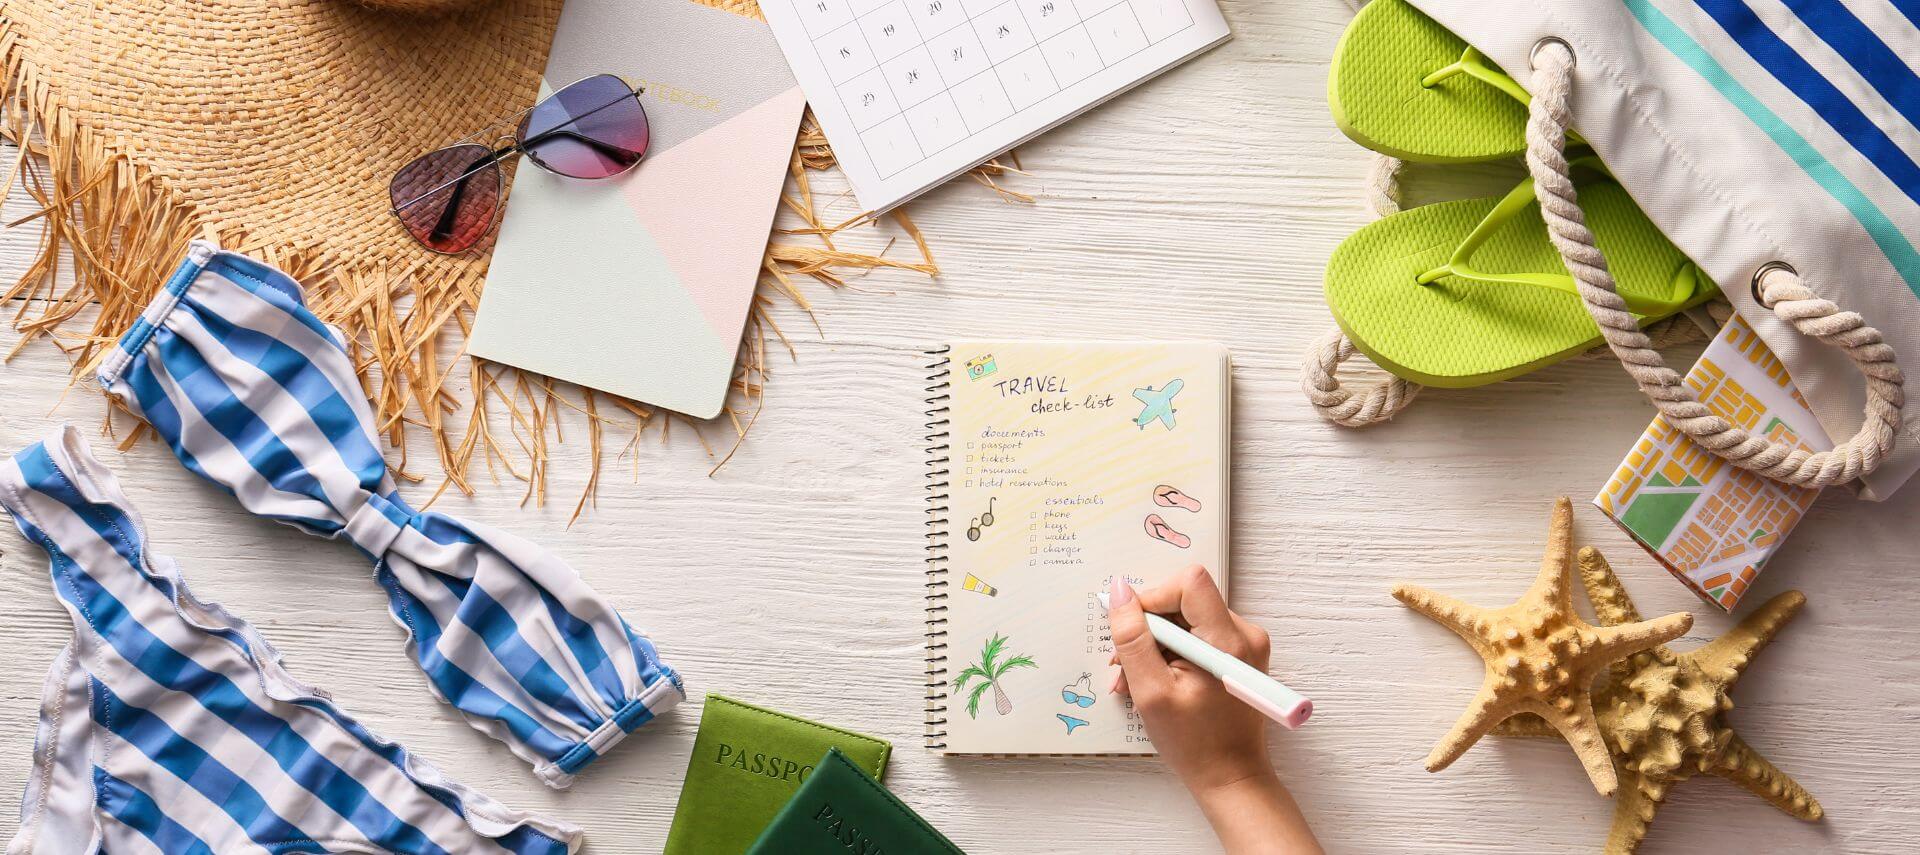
[{"x": 254, "y": 393}]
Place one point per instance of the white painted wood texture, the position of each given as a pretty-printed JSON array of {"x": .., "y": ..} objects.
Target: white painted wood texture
[{"x": 1202, "y": 205}]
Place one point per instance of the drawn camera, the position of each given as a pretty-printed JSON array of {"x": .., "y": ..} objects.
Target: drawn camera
[{"x": 981, "y": 366}]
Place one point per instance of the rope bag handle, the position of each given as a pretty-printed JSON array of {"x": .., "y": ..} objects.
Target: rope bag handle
[
  {"x": 1777, "y": 287},
  {"x": 1367, "y": 405}
]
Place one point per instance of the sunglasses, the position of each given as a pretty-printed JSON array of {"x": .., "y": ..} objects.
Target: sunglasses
[
  {"x": 449, "y": 198},
  {"x": 982, "y": 521}
]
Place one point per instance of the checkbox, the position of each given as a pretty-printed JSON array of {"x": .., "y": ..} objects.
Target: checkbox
[{"x": 1034, "y": 550}]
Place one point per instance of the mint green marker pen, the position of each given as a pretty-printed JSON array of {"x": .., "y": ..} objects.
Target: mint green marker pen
[{"x": 1253, "y": 687}]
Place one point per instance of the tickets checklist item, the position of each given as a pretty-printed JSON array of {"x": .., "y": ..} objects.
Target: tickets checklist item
[{"x": 914, "y": 92}]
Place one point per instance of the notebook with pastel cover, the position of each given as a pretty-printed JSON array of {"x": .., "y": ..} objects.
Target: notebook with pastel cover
[{"x": 640, "y": 284}]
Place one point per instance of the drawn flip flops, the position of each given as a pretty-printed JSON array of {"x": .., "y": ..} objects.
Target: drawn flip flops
[
  {"x": 1465, "y": 293},
  {"x": 1170, "y": 497},
  {"x": 1403, "y": 85},
  {"x": 1158, "y": 529}
]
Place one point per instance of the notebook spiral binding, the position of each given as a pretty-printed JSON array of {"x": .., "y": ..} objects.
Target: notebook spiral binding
[{"x": 938, "y": 396}]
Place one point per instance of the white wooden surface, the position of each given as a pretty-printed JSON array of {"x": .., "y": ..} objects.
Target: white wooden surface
[{"x": 1202, "y": 205}]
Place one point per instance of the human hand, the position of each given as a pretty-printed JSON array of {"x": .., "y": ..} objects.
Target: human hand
[
  {"x": 1208, "y": 737},
  {"x": 1213, "y": 741}
]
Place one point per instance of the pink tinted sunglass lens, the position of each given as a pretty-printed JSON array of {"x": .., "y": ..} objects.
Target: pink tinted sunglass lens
[
  {"x": 447, "y": 198},
  {"x": 595, "y": 128}
]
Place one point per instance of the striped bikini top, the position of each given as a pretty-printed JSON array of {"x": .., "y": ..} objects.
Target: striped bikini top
[{"x": 254, "y": 393}]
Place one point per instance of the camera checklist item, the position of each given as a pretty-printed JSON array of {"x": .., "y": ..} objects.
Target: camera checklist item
[
  {"x": 1054, "y": 466},
  {"x": 914, "y": 92}
]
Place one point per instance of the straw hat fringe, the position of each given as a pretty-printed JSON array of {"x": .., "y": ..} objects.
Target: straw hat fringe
[{"x": 149, "y": 131}]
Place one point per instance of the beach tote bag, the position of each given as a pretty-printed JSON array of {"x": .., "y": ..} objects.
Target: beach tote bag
[{"x": 1774, "y": 142}]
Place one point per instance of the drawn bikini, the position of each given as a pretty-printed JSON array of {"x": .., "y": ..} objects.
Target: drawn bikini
[
  {"x": 982, "y": 521},
  {"x": 1079, "y": 692}
]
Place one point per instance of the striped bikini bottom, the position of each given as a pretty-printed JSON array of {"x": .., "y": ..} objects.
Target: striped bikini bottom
[{"x": 168, "y": 725}]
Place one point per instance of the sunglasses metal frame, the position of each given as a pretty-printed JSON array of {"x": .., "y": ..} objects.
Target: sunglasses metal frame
[{"x": 499, "y": 153}]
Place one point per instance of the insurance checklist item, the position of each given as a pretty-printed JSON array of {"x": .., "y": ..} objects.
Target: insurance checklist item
[
  {"x": 914, "y": 92},
  {"x": 1056, "y": 465}
]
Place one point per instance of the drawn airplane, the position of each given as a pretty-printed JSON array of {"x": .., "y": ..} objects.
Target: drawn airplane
[{"x": 1157, "y": 404}]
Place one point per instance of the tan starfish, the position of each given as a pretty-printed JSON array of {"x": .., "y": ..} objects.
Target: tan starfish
[
  {"x": 1662, "y": 713},
  {"x": 1541, "y": 658}
]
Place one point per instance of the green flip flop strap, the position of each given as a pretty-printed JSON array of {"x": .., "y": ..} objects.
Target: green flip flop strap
[
  {"x": 1680, "y": 290},
  {"x": 1475, "y": 64}
]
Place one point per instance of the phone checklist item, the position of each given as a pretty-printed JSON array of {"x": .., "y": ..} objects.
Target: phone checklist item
[
  {"x": 915, "y": 92},
  {"x": 1055, "y": 466}
]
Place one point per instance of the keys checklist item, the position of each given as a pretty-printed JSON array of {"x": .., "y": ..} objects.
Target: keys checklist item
[{"x": 915, "y": 92}]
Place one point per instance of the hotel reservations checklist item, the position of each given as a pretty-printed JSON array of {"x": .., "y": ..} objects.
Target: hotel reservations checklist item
[
  {"x": 914, "y": 92},
  {"x": 1054, "y": 466}
]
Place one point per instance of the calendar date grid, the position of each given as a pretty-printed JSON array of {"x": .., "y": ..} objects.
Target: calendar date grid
[{"x": 890, "y": 61}]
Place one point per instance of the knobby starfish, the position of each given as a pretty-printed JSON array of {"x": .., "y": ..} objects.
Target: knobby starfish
[
  {"x": 1662, "y": 713},
  {"x": 1541, "y": 657}
]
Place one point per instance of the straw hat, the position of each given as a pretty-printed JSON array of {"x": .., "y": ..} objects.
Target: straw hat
[
  {"x": 274, "y": 123},
  {"x": 272, "y": 126}
]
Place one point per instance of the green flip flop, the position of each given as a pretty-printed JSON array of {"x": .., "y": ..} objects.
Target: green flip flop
[
  {"x": 1405, "y": 86},
  {"x": 1466, "y": 293}
]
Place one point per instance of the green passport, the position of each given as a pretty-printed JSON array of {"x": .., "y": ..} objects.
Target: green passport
[
  {"x": 841, "y": 810},
  {"x": 747, "y": 762}
]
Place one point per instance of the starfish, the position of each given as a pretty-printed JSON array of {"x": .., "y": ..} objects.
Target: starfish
[
  {"x": 1662, "y": 713},
  {"x": 1540, "y": 656}
]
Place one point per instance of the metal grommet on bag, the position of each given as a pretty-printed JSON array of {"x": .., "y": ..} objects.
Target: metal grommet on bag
[
  {"x": 1760, "y": 274},
  {"x": 1533, "y": 56}
]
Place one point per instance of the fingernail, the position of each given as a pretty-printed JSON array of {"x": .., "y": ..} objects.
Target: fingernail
[
  {"x": 1113, "y": 688},
  {"x": 1119, "y": 593}
]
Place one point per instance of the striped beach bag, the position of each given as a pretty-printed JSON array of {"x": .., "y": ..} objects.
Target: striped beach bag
[{"x": 1775, "y": 142}]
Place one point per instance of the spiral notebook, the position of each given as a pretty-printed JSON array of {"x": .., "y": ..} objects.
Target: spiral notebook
[{"x": 1053, "y": 466}]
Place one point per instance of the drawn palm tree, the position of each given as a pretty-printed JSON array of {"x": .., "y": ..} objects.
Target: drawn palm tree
[{"x": 989, "y": 670}]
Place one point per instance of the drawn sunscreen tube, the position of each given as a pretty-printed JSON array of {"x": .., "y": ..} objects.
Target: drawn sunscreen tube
[{"x": 1254, "y": 688}]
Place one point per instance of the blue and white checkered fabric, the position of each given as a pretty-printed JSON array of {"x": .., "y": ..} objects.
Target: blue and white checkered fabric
[
  {"x": 254, "y": 393},
  {"x": 169, "y": 726}
]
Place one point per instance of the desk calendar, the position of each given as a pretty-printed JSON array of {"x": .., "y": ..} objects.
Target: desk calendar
[{"x": 914, "y": 92}]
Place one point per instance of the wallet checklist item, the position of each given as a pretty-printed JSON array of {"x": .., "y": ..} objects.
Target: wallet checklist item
[
  {"x": 842, "y": 809},
  {"x": 747, "y": 763}
]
